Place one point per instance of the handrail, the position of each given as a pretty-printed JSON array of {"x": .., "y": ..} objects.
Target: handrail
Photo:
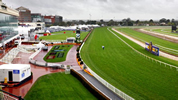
[{"x": 19, "y": 97}]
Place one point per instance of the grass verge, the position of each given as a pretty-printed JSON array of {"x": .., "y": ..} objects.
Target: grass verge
[
  {"x": 61, "y": 36},
  {"x": 58, "y": 86}
]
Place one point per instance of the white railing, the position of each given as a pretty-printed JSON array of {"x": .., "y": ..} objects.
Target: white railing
[
  {"x": 8, "y": 58},
  {"x": 147, "y": 57},
  {"x": 56, "y": 41},
  {"x": 111, "y": 87},
  {"x": 34, "y": 54},
  {"x": 4, "y": 96},
  {"x": 22, "y": 49},
  {"x": 108, "y": 85}
]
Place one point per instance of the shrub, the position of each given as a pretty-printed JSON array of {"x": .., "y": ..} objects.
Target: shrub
[
  {"x": 78, "y": 56},
  {"x": 78, "y": 49},
  {"x": 68, "y": 66},
  {"x": 62, "y": 66},
  {"x": 81, "y": 62},
  {"x": 79, "y": 59}
]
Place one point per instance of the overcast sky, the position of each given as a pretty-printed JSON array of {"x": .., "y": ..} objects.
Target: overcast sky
[{"x": 101, "y": 9}]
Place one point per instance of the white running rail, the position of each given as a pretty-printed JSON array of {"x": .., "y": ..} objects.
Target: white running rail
[{"x": 108, "y": 85}]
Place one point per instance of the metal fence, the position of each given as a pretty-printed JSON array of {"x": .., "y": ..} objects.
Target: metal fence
[{"x": 8, "y": 96}]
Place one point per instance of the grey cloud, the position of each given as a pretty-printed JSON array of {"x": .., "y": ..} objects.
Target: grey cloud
[{"x": 106, "y": 9}]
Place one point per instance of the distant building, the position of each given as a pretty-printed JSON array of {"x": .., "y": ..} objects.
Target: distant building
[
  {"x": 24, "y": 14},
  {"x": 8, "y": 25},
  {"x": 36, "y": 17},
  {"x": 36, "y": 25},
  {"x": 58, "y": 19},
  {"x": 52, "y": 19}
]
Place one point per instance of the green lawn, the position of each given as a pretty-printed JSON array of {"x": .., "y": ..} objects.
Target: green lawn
[
  {"x": 58, "y": 86},
  {"x": 127, "y": 70},
  {"x": 156, "y": 41},
  {"x": 59, "y": 51},
  {"x": 166, "y": 31},
  {"x": 61, "y": 36}
]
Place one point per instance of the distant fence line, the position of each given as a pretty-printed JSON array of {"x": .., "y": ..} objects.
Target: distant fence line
[{"x": 147, "y": 57}]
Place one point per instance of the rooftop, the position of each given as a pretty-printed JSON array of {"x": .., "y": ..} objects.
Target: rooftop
[{"x": 14, "y": 66}]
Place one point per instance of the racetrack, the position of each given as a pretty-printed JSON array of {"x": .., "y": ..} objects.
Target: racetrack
[{"x": 126, "y": 69}]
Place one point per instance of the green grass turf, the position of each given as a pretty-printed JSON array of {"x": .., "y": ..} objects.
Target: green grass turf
[
  {"x": 163, "y": 31},
  {"x": 61, "y": 36},
  {"x": 147, "y": 38},
  {"x": 58, "y": 59},
  {"x": 127, "y": 70},
  {"x": 58, "y": 86}
]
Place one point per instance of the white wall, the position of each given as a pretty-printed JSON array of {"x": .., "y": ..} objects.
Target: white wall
[
  {"x": 25, "y": 73},
  {"x": 17, "y": 77}
]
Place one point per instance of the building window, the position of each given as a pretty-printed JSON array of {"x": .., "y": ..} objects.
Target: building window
[{"x": 3, "y": 7}]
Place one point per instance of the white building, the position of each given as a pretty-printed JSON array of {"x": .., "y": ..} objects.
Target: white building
[{"x": 14, "y": 72}]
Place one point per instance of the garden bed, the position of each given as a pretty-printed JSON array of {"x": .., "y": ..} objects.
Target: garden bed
[{"x": 58, "y": 53}]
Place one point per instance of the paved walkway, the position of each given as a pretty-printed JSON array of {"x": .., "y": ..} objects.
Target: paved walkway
[
  {"x": 143, "y": 45},
  {"x": 70, "y": 59},
  {"x": 100, "y": 86}
]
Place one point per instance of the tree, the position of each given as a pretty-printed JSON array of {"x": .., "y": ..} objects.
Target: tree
[
  {"x": 127, "y": 22},
  {"x": 137, "y": 21},
  {"x": 151, "y": 21},
  {"x": 55, "y": 24},
  {"x": 99, "y": 23},
  {"x": 102, "y": 21},
  {"x": 62, "y": 24},
  {"x": 81, "y": 22},
  {"x": 68, "y": 23},
  {"x": 173, "y": 21},
  {"x": 111, "y": 22},
  {"x": 91, "y": 22},
  {"x": 162, "y": 20},
  {"x": 167, "y": 21}
]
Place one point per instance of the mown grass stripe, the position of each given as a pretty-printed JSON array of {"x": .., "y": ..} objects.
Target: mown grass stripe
[{"x": 127, "y": 70}]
